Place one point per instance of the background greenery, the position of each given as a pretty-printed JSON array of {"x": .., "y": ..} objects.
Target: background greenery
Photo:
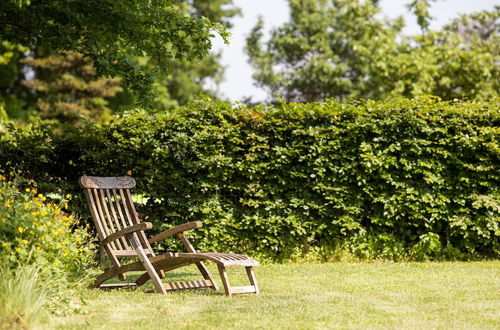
[
  {"x": 402, "y": 179},
  {"x": 347, "y": 50},
  {"x": 94, "y": 87},
  {"x": 44, "y": 255}
]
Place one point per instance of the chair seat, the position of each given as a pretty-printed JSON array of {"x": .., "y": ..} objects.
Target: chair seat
[{"x": 226, "y": 259}]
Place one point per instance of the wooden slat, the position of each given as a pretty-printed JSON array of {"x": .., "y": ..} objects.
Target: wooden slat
[
  {"x": 97, "y": 219},
  {"x": 134, "y": 241},
  {"x": 117, "y": 198},
  {"x": 117, "y": 285},
  {"x": 224, "y": 279},
  {"x": 107, "y": 218},
  {"x": 132, "y": 229},
  {"x": 100, "y": 217},
  {"x": 94, "y": 182},
  {"x": 115, "y": 216},
  {"x": 165, "y": 264},
  {"x": 126, "y": 213},
  {"x": 172, "y": 286},
  {"x": 129, "y": 253},
  {"x": 135, "y": 219},
  {"x": 95, "y": 216},
  {"x": 173, "y": 231},
  {"x": 252, "y": 279},
  {"x": 243, "y": 289}
]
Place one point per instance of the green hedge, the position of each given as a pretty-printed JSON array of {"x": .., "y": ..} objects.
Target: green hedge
[{"x": 405, "y": 179}]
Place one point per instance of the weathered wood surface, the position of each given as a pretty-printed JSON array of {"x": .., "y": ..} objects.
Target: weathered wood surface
[
  {"x": 153, "y": 275},
  {"x": 173, "y": 231},
  {"x": 243, "y": 289},
  {"x": 173, "y": 286},
  {"x": 125, "y": 231},
  {"x": 252, "y": 279},
  {"x": 121, "y": 234},
  {"x": 97, "y": 182}
]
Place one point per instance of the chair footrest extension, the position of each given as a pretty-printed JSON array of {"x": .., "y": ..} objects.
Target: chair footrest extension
[
  {"x": 243, "y": 289},
  {"x": 171, "y": 286}
]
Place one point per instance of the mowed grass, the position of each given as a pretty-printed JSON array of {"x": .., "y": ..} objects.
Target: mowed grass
[{"x": 312, "y": 296}]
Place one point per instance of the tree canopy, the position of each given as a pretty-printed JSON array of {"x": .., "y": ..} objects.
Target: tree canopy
[
  {"x": 158, "y": 62},
  {"x": 113, "y": 33},
  {"x": 343, "y": 49}
]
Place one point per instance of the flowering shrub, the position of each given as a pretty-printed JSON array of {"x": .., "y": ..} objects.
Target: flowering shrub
[{"x": 36, "y": 230}]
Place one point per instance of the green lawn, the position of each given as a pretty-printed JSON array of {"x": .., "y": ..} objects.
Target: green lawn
[{"x": 312, "y": 296}]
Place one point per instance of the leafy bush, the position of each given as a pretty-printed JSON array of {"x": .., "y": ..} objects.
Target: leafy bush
[
  {"x": 36, "y": 230},
  {"x": 43, "y": 255},
  {"x": 404, "y": 179}
]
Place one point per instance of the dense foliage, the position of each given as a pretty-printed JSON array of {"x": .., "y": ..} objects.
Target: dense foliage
[
  {"x": 112, "y": 33},
  {"x": 158, "y": 52},
  {"x": 344, "y": 49},
  {"x": 67, "y": 90},
  {"x": 405, "y": 179},
  {"x": 44, "y": 255}
]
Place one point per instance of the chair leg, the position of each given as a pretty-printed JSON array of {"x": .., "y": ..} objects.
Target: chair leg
[
  {"x": 206, "y": 274},
  {"x": 253, "y": 288},
  {"x": 252, "y": 279},
  {"x": 155, "y": 278},
  {"x": 224, "y": 279}
]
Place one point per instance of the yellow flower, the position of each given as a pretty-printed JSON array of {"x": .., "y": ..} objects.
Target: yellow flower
[
  {"x": 4, "y": 244},
  {"x": 68, "y": 196},
  {"x": 18, "y": 249},
  {"x": 25, "y": 242},
  {"x": 28, "y": 190},
  {"x": 34, "y": 213},
  {"x": 20, "y": 229},
  {"x": 49, "y": 223},
  {"x": 38, "y": 248},
  {"x": 42, "y": 197},
  {"x": 33, "y": 191},
  {"x": 42, "y": 237},
  {"x": 44, "y": 213},
  {"x": 78, "y": 239},
  {"x": 129, "y": 172},
  {"x": 57, "y": 211},
  {"x": 65, "y": 205},
  {"x": 2, "y": 178},
  {"x": 59, "y": 230},
  {"x": 4, "y": 219}
]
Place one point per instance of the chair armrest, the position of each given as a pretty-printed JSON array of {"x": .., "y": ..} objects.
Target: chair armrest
[
  {"x": 172, "y": 231},
  {"x": 126, "y": 231}
]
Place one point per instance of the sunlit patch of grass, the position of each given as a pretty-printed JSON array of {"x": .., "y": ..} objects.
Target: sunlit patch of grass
[
  {"x": 23, "y": 298},
  {"x": 312, "y": 296}
]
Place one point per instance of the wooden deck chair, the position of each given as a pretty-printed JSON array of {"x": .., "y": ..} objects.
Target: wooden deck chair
[{"x": 121, "y": 235}]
